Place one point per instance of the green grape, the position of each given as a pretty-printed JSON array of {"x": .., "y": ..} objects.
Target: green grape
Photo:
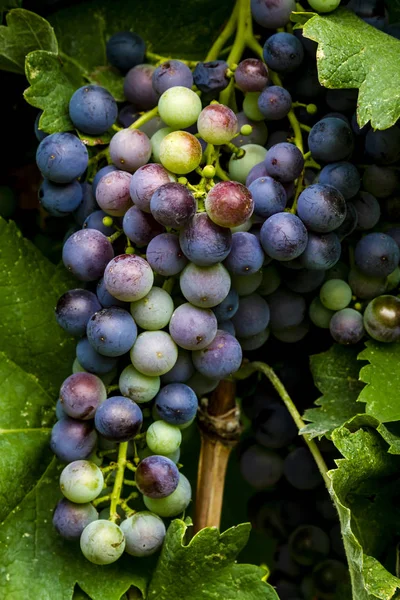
[
  {"x": 144, "y": 533},
  {"x": 271, "y": 280},
  {"x": 154, "y": 310},
  {"x": 175, "y": 503},
  {"x": 163, "y": 438},
  {"x": 102, "y": 542},
  {"x": 319, "y": 314},
  {"x": 335, "y": 294},
  {"x": 246, "y": 284},
  {"x": 81, "y": 481},
  {"x": 393, "y": 280},
  {"x": 239, "y": 168},
  {"x": 186, "y": 425},
  {"x": 382, "y": 318},
  {"x": 246, "y": 226},
  {"x": 138, "y": 387},
  {"x": 180, "y": 152},
  {"x": 156, "y": 140},
  {"x": 324, "y": 6},
  {"x": 250, "y": 106},
  {"x": 179, "y": 107}
]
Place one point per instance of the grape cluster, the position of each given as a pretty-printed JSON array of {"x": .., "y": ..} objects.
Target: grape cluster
[{"x": 203, "y": 228}]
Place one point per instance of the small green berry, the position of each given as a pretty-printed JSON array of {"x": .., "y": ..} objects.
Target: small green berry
[
  {"x": 129, "y": 250},
  {"x": 209, "y": 171},
  {"x": 108, "y": 221},
  {"x": 311, "y": 109},
  {"x": 182, "y": 180},
  {"x": 246, "y": 130}
]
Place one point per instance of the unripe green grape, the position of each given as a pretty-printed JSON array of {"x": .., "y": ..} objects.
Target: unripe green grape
[
  {"x": 163, "y": 438},
  {"x": 138, "y": 387},
  {"x": 319, "y": 314},
  {"x": 179, "y": 107},
  {"x": 239, "y": 168},
  {"x": 175, "y": 503},
  {"x": 311, "y": 109},
  {"x": 108, "y": 221},
  {"x": 154, "y": 311},
  {"x": 180, "y": 152},
  {"x": 102, "y": 542},
  {"x": 81, "y": 481},
  {"x": 246, "y": 284},
  {"x": 393, "y": 280},
  {"x": 209, "y": 171},
  {"x": 246, "y": 130},
  {"x": 156, "y": 140},
  {"x": 324, "y": 6},
  {"x": 144, "y": 533},
  {"x": 382, "y": 318},
  {"x": 250, "y": 106},
  {"x": 335, "y": 294}
]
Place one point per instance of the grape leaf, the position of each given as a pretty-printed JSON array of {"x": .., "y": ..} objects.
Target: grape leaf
[
  {"x": 99, "y": 140},
  {"x": 353, "y": 54},
  {"x": 24, "y": 33},
  {"x": 382, "y": 378},
  {"x": 111, "y": 79},
  {"x": 335, "y": 374},
  {"x": 365, "y": 487},
  {"x": 36, "y": 558},
  {"x": 206, "y": 567}
]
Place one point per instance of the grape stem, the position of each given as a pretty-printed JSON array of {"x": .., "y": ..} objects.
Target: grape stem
[
  {"x": 100, "y": 500},
  {"x": 119, "y": 480},
  {"x": 159, "y": 59},
  {"x": 239, "y": 45},
  {"x": 144, "y": 118},
  {"x": 261, "y": 367}
]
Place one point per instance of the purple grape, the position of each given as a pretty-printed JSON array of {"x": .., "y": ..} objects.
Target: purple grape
[
  {"x": 60, "y": 200},
  {"x": 322, "y": 251},
  {"x": 220, "y": 359},
  {"x": 130, "y": 149},
  {"x": 349, "y": 224},
  {"x": 192, "y": 328},
  {"x": 246, "y": 255},
  {"x": 140, "y": 227},
  {"x": 382, "y": 146},
  {"x": 344, "y": 176},
  {"x": 252, "y": 316},
  {"x": 101, "y": 173},
  {"x": 283, "y": 52},
  {"x": 274, "y": 103},
  {"x": 211, "y": 76},
  {"x": 145, "y": 181},
  {"x": 157, "y": 477},
  {"x": 112, "y": 193},
  {"x": 128, "y": 115},
  {"x": 303, "y": 281},
  {"x": 257, "y": 172},
  {"x": 275, "y": 427},
  {"x": 284, "y": 162},
  {"x": 87, "y": 206},
  {"x": 91, "y": 360},
  {"x": 165, "y": 255},
  {"x": 173, "y": 205},
  {"x": 205, "y": 286},
  {"x": 69, "y": 519},
  {"x": 301, "y": 470},
  {"x": 72, "y": 440},
  {"x": 86, "y": 254},
  {"x": 268, "y": 194},
  {"x": 322, "y": 208},
  {"x": 128, "y": 277},
  {"x": 138, "y": 87},
  {"x": 170, "y": 74},
  {"x": 74, "y": 310},
  {"x": 105, "y": 298},
  {"x": 95, "y": 221},
  {"x": 377, "y": 255},
  {"x": 330, "y": 140},
  {"x": 62, "y": 157},
  {"x": 272, "y": 14},
  {"x": 181, "y": 371},
  {"x": 111, "y": 331},
  {"x": 283, "y": 236},
  {"x": 229, "y": 327},
  {"x": 287, "y": 309},
  {"x": 260, "y": 467},
  {"x": 346, "y": 326},
  {"x": 368, "y": 210},
  {"x": 125, "y": 50},
  {"x": 118, "y": 419},
  {"x": 205, "y": 243},
  {"x": 176, "y": 403},
  {"x": 228, "y": 307},
  {"x": 81, "y": 394},
  {"x": 251, "y": 75},
  {"x": 92, "y": 109}
]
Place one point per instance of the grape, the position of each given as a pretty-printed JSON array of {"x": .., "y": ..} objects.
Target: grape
[
  {"x": 92, "y": 109},
  {"x": 170, "y": 74},
  {"x": 111, "y": 331},
  {"x": 303, "y": 280},
  {"x": 95, "y": 221},
  {"x": 383, "y": 147},
  {"x": 379, "y": 181},
  {"x": 308, "y": 544},
  {"x": 105, "y": 298},
  {"x": 154, "y": 353},
  {"x": 202, "y": 385},
  {"x": 118, "y": 419},
  {"x": 154, "y": 311},
  {"x": 81, "y": 394},
  {"x": 330, "y": 140},
  {"x": 322, "y": 251},
  {"x": 346, "y": 326},
  {"x": 240, "y": 167},
  {"x": 145, "y": 181},
  {"x": 293, "y": 333},
  {"x": 343, "y": 176},
  {"x": 258, "y": 135},
  {"x": 329, "y": 576},
  {"x": 274, "y": 427},
  {"x": 173, "y": 205},
  {"x": 72, "y": 440},
  {"x": 81, "y": 481},
  {"x": 129, "y": 150},
  {"x": 271, "y": 14},
  {"x": 102, "y": 542},
  {"x": 60, "y": 200},
  {"x": 163, "y": 438},
  {"x": 228, "y": 307},
  {"x": 250, "y": 107},
  {"x": 138, "y": 87},
  {"x": 251, "y": 75},
  {"x": 350, "y": 222},
  {"x": 254, "y": 342},
  {"x": 211, "y": 76},
  {"x": 74, "y": 310},
  {"x": 335, "y": 294},
  {"x": 112, "y": 193},
  {"x": 138, "y": 387},
  {"x": 205, "y": 286},
  {"x": 277, "y": 137},
  {"x": 252, "y": 316},
  {"x": 220, "y": 359},
  {"x": 319, "y": 314},
  {"x": 127, "y": 115},
  {"x": 301, "y": 471},
  {"x": 217, "y": 124},
  {"x": 128, "y": 277},
  {"x": 229, "y": 204},
  {"x": 274, "y": 103},
  {"x": 364, "y": 286},
  {"x": 156, "y": 477},
  {"x": 179, "y": 107},
  {"x": 284, "y": 162},
  {"x": 62, "y": 157},
  {"x": 368, "y": 210},
  {"x": 283, "y": 236},
  {"x": 382, "y": 319},
  {"x": 165, "y": 256},
  {"x": 86, "y": 254},
  {"x": 287, "y": 309},
  {"x": 322, "y": 208},
  {"x": 144, "y": 532},
  {"x": 140, "y": 227},
  {"x": 176, "y": 404},
  {"x": 156, "y": 140},
  {"x": 91, "y": 360},
  {"x": 125, "y": 50},
  {"x": 182, "y": 370},
  {"x": 376, "y": 255},
  {"x": 260, "y": 467},
  {"x": 87, "y": 206},
  {"x": 70, "y": 519},
  {"x": 271, "y": 280},
  {"x": 193, "y": 328},
  {"x": 247, "y": 284},
  {"x": 393, "y": 280},
  {"x": 174, "y": 503},
  {"x": 39, "y": 133},
  {"x": 204, "y": 242},
  {"x": 283, "y": 52},
  {"x": 180, "y": 152},
  {"x": 257, "y": 172}
]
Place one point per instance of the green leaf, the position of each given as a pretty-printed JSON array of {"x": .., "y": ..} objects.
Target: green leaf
[
  {"x": 206, "y": 567},
  {"x": 30, "y": 287},
  {"x": 24, "y": 33},
  {"x": 353, "y": 54},
  {"x": 365, "y": 487},
  {"x": 36, "y": 559},
  {"x": 335, "y": 374},
  {"x": 111, "y": 79},
  {"x": 99, "y": 140},
  {"x": 381, "y": 394}
]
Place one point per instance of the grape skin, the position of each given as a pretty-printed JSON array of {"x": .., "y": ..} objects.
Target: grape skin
[
  {"x": 176, "y": 403},
  {"x": 205, "y": 287},
  {"x": 170, "y": 74},
  {"x": 252, "y": 316},
  {"x": 74, "y": 310},
  {"x": 129, "y": 150},
  {"x": 154, "y": 353},
  {"x": 283, "y": 52},
  {"x": 283, "y": 236},
  {"x": 346, "y": 326},
  {"x": 138, "y": 87},
  {"x": 165, "y": 256},
  {"x": 60, "y": 200},
  {"x": 156, "y": 477},
  {"x": 112, "y": 193},
  {"x": 145, "y": 181},
  {"x": 72, "y": 440},
  {"x": 111, "y": 331},
  {"x": 173, "y": 205},
  {"x": 144, "y": 533},
  {"x": 182, "y": 370},
  {"x": 174, "y": 503},
  {"x": 86, "y": 254},
  {"x": 62, "y": 157},
  {"x": 163, "y": 438},
  {"x": 125, "y": 50},
  {"x": 382, "y": 319},
  {"x": 81, "y": 394},
  {"x": 274, "y": 103},
  {"x": 81, "y": 481},
  {"x": 246, "y": 255},
  {"x": 138, "y": 387},
  {"x": 251, "y": 75},
  {"x": 140, "y": 227},
  {"x": 376, "y": 255},
  {"x": 102, "y": 542},
  {"x": 204, "y": 242},
  {"x": 193, "y": 328},
  {"x": 322, "y": 208},
  {"x": 229, "y": 204},
  {"x": 118, "y": 419},
  {"x": 92, "y": 109},
  {"x": 154, "y": 311},
  {"x": 70, "y": 519},
  {"x": 221, "y": 358},
  {"x": 128, "y": 277}
]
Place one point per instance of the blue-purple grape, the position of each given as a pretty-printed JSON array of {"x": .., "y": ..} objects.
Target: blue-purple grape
[
  {"x": 383, "y": 146},
  {"x": 171, "y": 73},
  {"x": 105, "y": 298},
  {"x": 130, "y": 149},
  {"x": 118, "y": 419},
  {"x": 322, "y": 208},
  {"x": 182, "y": 370},
  {"x": 176, "y": 403},
  {"x": 346, "y": 326},
  {"x": 220, "y": 359},
  {"x": 81, "y": 394},
  {"x": 205, "y": 286},
  {"x": 157, "y": 476},
  {"x": 112, "y": 193},
  {"x": 92, "y": 109},
  {"x": 283, "y": 52},
  {"x": 284, "y": 162},
  {"x": 144, "y": 533},
  {"x": 228, "y": 307},
  {"x": 211, "y": 76},
  {"x": 271, "y": 14},
  {"x": 60, "y": 200},
  {"x": 173, "y": 205},
  {"x": 165, "y": 255},
  {"x": 140, "y": 227},
  {"x": 246, "y": 255},
  {"x": 72, "y": 440},
  {"x": 111, "y": 331},
  {"x": 344, "y": 176},
  {"x": 145, "y": 181},
  {"x": 368, "y": 210},
  {"x": 86, "y": 254},
  {"x": 268, "y": 194},
  {"x": 301, "y": 470},
  {"x": 376, "y": 255},
  {"x": 330, "y": 140},
  {"x": 287, "y": 309},
  {"x": 283, "y": 236},
  {"x": 125, "y": 50},
  {"x": 192, "y": 328},
  {"x": 70, "y": 519},
  {"x": 95, "y": 221},
  {"x": 274, "y": 103},
  {"x": 274, "y": 427},
  {"x": 138, "y": 87},
  {"x": 128, "y": 277},
  {"x": 203, "y": 242},
  {"x": 91, "y": 360},
  {"x": 62, "y": 157},
  {"x": 322, "y": 251},
  {"x": 260, "y": 467},
  {"x": 74, "y": 310},
  {"x": 252, "y": 316}
]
